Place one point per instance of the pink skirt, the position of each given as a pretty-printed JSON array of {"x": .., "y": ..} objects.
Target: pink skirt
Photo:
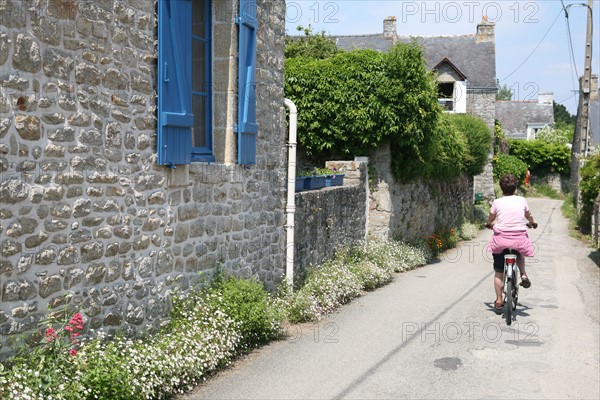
[{"x": 517, "y": 240}]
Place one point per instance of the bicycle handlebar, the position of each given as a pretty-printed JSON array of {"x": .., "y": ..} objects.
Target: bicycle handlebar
[{"x": 529, "y": 225}]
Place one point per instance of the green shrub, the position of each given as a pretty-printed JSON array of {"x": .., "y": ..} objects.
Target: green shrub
[
  {"x": 478, "y": 140},
  {"x": 589, "y": 187},
  {"x": 481, "y": 212},
  {"x": 354, "y": 101},
  {"x": 507, "y": 164},
  {"x": 311, "y": 45},
  {"x": 450, "y": 150},
  {"x": 247, "y": 302},
  {"x": 542, "y": 157}
]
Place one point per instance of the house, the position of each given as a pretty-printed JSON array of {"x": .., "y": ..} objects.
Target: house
[
  {"x": 524, "y": 119},
  {"x": 142, "y": 144},
  {"x": 466, "y": 72},
  {"x": 466, "y": 64}
]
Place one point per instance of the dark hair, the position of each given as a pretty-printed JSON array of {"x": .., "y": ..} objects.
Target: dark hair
[{"x": 508, "y": 184}]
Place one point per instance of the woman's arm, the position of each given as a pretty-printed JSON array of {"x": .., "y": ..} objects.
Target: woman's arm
[
  {"x": 529, "y": 217},
  {"x": 490, "y": 219}
]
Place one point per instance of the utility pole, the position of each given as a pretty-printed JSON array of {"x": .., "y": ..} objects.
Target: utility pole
[{"x": 581, "y": 135}]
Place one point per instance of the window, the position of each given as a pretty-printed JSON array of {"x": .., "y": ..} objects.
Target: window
[
  {"x": 201, "y": 81},
  {"x": 446, "y": 95},
  {"x": 184, "y": 82}
]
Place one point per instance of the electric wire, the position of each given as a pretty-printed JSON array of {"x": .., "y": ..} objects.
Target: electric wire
[
  {"x": 574, "y": 72},
  {"x": 535, "y": 48}
]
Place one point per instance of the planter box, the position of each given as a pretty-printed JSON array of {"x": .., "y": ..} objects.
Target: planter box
[
  {"x": 314, "y": 182},
  {"x": 334, "y": 180},
  {"x": 300, "y": 183}
]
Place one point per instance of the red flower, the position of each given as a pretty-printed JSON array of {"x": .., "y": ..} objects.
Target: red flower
[
  {"x": 73, "y": 352},
  {"x": 51, "y": 334}
]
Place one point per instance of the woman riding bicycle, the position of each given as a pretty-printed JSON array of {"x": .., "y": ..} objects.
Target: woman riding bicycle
[{"x": 510, "y": 232}]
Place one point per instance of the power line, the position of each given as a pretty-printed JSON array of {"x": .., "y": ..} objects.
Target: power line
[
  {"x": 574, "y": 77},
  {"x": 533, "y": 51},
  {"x": 572, "y": 54}
]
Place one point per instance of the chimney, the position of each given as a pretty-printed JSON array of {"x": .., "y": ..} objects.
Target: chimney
[
  {"x": 545, "y": 98},
  {"x": 389, "y": 27},
  {"x": 485, "y": 31}
]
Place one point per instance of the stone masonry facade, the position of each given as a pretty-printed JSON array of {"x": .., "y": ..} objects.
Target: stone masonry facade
[
  {"x": 483, "y": 105},
  {"x": 87, "y": 217},
  {"x": 330, "y": 218},
  {"x": 414, "y": 210}
]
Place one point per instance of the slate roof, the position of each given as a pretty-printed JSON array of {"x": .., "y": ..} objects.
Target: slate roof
[
  {"x": 515, "y": 115},
  {"x": 477, "y": 61}
]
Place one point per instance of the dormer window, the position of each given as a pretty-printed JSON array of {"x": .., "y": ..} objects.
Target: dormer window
[{"x": 452, "y": 87}]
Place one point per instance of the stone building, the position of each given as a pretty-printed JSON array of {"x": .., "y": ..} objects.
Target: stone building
[
  {"x": 142, "y": 143},
  {"x": 523, "y": 119},
  {"x": 466, "y": 67}
]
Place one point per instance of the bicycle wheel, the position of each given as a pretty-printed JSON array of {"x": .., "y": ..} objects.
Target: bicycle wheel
[{"x": 509, "y": 301}]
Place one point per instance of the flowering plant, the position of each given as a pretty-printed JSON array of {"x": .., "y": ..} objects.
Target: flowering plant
[{"x": 319, "y": 172}]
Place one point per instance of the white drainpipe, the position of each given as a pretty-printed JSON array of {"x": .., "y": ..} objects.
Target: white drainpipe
[{"x": 290, "y": 207}]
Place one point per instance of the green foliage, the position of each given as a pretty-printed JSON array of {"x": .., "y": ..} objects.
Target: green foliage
[
  {"x": 450, "y": 149},
  {"x": 311, "y": 45},
  {"x": 247, "y": 302},
  {"x": 562, "y": 115},
  {"x": 504, "y": 93},
  {"x": 481, "y": 212},
  {"x": 506, "y": 164},
  {"x": 542, "y": 190},
  {"x": 500, "y": 141},
  {"x": 354, "y": 101},
  {"x": 478, "y": 139},
  {"x": 341, "y": 101},
  {"x": 589, "y": 187},
  {"x": 542, "y": 157},
  {"x": 414, "y": 112},
  {"x": 562, "y": 135},
  {"x": 441, "y": 240}
]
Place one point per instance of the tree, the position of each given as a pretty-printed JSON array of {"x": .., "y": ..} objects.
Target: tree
[
  {"x": 312, "y": 45},
  {"x": 562, "y": 115},
  {"x": 358, "y": 99},
  {"x": 504, "y": 93}
]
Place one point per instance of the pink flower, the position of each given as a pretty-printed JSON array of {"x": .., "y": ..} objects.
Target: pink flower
[
  {"x": 69, "y": 328},
  {"x": 73, "y": 352},
  {"x": 51, "y": 334}
]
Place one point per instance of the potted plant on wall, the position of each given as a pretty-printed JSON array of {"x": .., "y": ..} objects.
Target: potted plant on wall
[
  {"x": 318, "y": 178},
  {"x": 309, "y": 180}
]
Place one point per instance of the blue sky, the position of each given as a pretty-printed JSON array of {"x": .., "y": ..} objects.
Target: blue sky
[{"x": 520, "y": 27}]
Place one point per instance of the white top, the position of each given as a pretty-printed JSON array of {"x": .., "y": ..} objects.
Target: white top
[{"x": 510, "y": 213}]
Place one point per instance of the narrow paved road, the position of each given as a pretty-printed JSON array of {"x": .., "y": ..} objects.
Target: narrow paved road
[{"x": 432, "y": 334}]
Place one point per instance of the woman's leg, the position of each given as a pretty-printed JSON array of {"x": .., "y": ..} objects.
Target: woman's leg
[
  {"x": 498, "y": 282},
  {"x": 525, "y": 282},
  {"x": 521, "y": 264}
]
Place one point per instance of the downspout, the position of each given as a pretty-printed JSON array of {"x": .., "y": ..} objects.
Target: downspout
[{"x": 290, "y": 207}]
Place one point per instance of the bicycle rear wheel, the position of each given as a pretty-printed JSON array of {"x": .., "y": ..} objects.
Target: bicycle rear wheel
[{"x": 509, "y": 301}]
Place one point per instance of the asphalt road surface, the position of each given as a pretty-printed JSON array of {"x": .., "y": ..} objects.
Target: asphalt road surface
[{"x": 433, "y": 334}]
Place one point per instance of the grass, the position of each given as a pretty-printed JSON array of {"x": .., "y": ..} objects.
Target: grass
[{"x": 542, "y": 190}]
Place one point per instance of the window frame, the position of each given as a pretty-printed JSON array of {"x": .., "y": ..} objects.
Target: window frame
[{"x": 206, "y": 153}]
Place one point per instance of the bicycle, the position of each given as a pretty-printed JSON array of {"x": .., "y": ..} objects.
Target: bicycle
[{"x": 511, "y": 276}]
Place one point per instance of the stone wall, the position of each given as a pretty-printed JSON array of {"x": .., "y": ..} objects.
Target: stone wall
[
  {"x": 84, "y": 209},
  {"x": 483, "y": 105},
  {"x": 417, "y": 209},
  {"x": 555, "y": 181},
  {"x": 330, "y": 218}
]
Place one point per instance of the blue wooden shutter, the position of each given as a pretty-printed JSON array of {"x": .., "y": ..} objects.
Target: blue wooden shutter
[
  {"x": 175, "y": 118},
  {"x": 247, "y": 125}
]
